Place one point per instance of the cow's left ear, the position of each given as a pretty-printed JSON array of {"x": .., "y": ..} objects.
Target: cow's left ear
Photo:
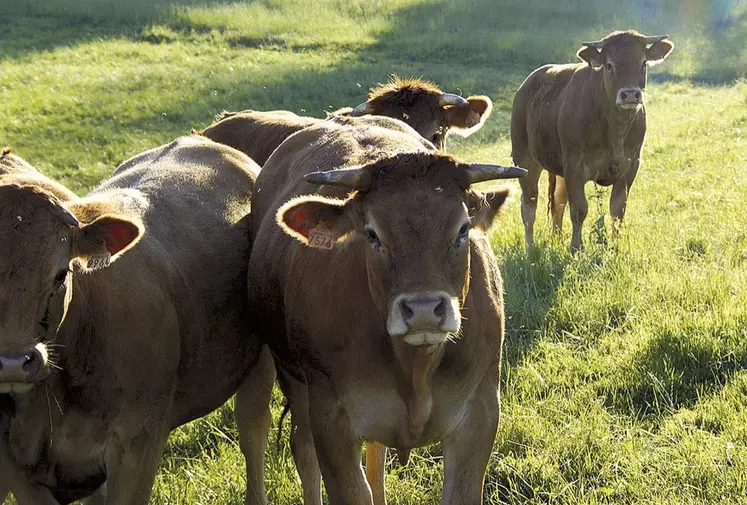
[
  {"x": 467, "y": 120},
  {"x": 104, "y": 233},
  {"x": 591, "y": 55},
  {"x": 483, "y": 207},
  {"x": 316, "y": 221},
  {"x": 658, "y": 51}
]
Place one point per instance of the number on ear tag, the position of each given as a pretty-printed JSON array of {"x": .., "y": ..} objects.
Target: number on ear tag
[
  {"x": 101, "y": 261},
  {"x": 320, "y": 238}
]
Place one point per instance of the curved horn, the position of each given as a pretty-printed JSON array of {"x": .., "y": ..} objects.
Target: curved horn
[
  {"x": 596, "y": 44},
  {"x": 653, "y": 39},
  {"x": 362, "y": 110},
  {"x": 353, "y": 178},
  {"x": 479, "y": 172},
  {"x": 67, "y": 217},
  {"x": 452, "y": 99}
]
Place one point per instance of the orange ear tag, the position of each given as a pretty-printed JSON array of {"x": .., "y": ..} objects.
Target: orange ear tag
[{"x": 320, "y": 238}]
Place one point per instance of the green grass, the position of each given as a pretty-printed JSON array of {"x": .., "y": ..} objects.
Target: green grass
[{"x": 625, "y": 372}]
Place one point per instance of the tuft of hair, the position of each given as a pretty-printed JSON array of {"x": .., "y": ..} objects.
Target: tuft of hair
[
  {"x": 223, "y": 115},
  {"x": 6, "y": 151},
  {"x": 404, "y": 85}
]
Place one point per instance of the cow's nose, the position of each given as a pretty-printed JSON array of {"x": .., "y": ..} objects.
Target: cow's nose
[
  {"x": 628, "y": 96},
  {"x": 423, "y": 313},
  {"x": 21, "y": 367}
]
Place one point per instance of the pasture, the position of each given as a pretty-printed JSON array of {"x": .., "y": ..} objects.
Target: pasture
[{"x": 625, "y": 367}]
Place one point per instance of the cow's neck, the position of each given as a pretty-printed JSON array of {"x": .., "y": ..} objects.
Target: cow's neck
[{"x": 417, "y": 366}]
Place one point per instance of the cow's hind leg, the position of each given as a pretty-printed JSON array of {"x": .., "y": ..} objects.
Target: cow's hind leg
[
  {"x": 375, "y": 467},
  {"x": 559, "y": 201},
  {"x": 467, "y": 450},
  {"x": 302, "y": 441},
  {"x": 529, "y": 193},
  {"x": 253, "y": 419}
]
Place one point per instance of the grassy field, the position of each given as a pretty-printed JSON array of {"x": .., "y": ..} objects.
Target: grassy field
[{"x": 625, "y": 372}]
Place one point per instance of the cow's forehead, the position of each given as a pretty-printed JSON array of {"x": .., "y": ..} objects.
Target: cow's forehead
[{"x": 625, "y": 47}]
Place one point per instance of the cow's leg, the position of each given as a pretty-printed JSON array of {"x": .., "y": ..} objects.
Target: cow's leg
[
  {"x": 337, "y": 447},
  {"x": 467, "y": 449},
  {"x": 619, "y": 196},
  {"x": 560, "y": 199},
  {"x": 529, "y": 193},
  {"x": 301, "y": 439},
  {"x": 132, "y": 461},
  {"x": 579, "y": 209},
  {"x": 97, "y": 498},
  {"x": 253, "y": 419},
  {"x": 375, "y": 467}
]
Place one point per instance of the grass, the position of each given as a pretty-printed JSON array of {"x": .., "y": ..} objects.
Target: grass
[{"x": 625, "y": 371}]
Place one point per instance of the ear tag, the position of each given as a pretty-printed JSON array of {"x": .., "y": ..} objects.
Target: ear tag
[
  {"x": 320, "y": 238},
  {"x": 100, "y": 261}
]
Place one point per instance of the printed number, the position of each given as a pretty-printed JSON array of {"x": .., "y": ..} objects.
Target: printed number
[{"x": 320, "y": 240}]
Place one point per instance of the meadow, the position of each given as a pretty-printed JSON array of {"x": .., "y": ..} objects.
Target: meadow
[{"x": 625, "y": 367}]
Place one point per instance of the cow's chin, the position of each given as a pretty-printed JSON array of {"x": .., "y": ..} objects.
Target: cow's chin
[
  {"x": 425, "y": 339},
  {"x": 18, "y": 388}
]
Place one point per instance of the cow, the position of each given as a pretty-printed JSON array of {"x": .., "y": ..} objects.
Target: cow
[
  {"x": 584, "y": 122},
  {"x": 372, "y": 280},
  {"x": 417, "y": 102},
  {"x": 123, "y": 315}
]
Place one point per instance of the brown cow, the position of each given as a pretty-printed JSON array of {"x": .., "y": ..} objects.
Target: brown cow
[
  {"x": 123, "y": 315},
  {"x": 419, "y": 103},
  {"x": 584, "y": 122},
  {"x": 363, "y": 294}
]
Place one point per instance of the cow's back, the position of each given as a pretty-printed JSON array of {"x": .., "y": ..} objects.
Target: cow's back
[
  {"x": 257, "y": 134},
  {"x": 193, "y": 256}
]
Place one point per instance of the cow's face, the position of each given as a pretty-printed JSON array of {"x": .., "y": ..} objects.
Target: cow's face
[
  {"x": 414, "y": 213},
  {"x": 428, "y": 110},
  {"x": 623, "y": 58},
  {"x": 40, "y": 238}
]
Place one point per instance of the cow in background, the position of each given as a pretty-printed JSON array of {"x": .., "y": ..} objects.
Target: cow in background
[{"x": 584, "y": 122}]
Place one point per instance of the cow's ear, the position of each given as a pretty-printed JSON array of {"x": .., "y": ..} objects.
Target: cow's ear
[
  {"x": 316, "y": 221},
  {"x": 658, "y": 51},
  {"x": 483, "y": 207},
  {"x": 467, "y": 120},
  {"x": 104, "y": 233},
  {"x": 591, "y": 55}
]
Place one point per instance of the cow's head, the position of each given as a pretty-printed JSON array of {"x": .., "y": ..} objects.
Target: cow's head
[
  {"x": 623, "y": 58},
  {"x": 415, "y": 212},
  {"x": 427, "y": 109},
  {"x": 41, "y": 238}
]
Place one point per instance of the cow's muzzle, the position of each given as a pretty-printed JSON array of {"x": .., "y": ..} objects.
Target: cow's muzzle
[
  {"x": 19, "y": 371},
  {"x": 424, "y": 318},
  {"x": 629, "y": 98}
]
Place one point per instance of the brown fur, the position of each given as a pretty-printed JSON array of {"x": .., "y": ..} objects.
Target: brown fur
[
  {"x": 565, "y": 120},
  {"x": 146, "y": 344},
  {"x": 324, "y": 312},
  {"x": 414, "y": 101}
]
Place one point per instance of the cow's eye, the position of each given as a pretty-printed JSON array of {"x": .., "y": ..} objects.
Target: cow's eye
[
  {"x": 609, "y": 67},
  {"x": 463, "y": 232},
  {"x": 373, "y": 238},
  {"x": 60, "y": 278}
]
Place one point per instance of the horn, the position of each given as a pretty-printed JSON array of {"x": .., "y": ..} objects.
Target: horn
[
  {"x": 68, "y": 218},
  {"x": 479, "y": 172},
  {"x": 596, "y": 44},
  {"x": 653, "y": 39},
  {"x": 353, "y": 178},
  {"x": 452, "y": 99},
  {"x": 362, "y": 110}
]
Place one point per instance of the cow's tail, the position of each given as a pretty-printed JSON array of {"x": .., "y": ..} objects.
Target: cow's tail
[
  {"x": 552, "y": 182},
  {"x": 279, "y": 438}
]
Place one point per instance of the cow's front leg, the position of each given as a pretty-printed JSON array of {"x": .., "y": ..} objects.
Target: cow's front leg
[
  {"x": 375, "y": 469},
  {"x": 619, "y": 196},
  {"x": 253, "y": 419},
  {"x": 132, "y": 460},
  {"x": 467, "y": 449},
  {"x": 337, "y": 447}
]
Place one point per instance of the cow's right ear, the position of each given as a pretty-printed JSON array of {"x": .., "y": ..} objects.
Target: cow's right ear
[
  {"x": 316, "y": 221},
  {"x": 591, "y": 55},
  {"x": 467, "y": 120}
]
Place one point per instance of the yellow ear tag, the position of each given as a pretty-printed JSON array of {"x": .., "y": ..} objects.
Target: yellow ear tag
[
  {"x": 101, "y": 261},
  {"x": 320, "y": 238}
]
